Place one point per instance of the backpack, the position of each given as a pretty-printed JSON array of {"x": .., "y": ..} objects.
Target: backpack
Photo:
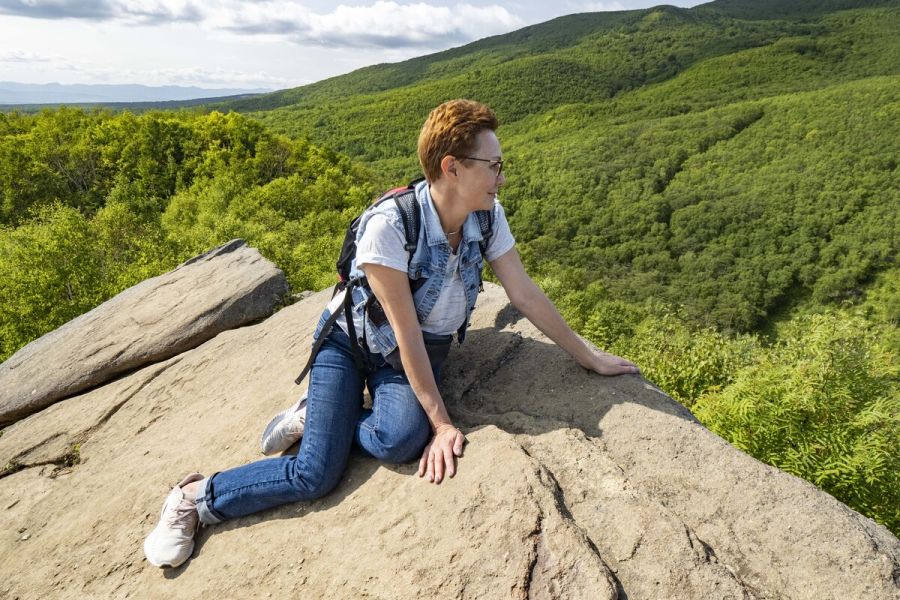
[{"x": 408, "y": 204}]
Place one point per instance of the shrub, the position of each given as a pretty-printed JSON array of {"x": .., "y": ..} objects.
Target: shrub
[{"x": 822, "y": 404}]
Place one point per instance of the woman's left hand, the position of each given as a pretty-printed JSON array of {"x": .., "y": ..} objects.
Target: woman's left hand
[{"x": 608, "y": 364}]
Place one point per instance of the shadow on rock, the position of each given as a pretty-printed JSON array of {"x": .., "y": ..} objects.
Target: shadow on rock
[{"x": 525, "y": 385}]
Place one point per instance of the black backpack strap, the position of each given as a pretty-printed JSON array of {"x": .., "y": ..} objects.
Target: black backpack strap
[
  {"x": 408, "y": 205},
  {"x": 326, "y": 329},
  {"x": 486, "y": 224},
  {"x": 344, "y": 308},
  {"x": 358, "y": 358}
]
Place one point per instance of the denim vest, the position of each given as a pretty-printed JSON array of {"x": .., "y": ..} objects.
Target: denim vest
[{"x": 429, "y": 261}]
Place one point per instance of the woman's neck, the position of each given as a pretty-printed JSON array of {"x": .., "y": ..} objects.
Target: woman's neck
[{"x": 451, "y": 212}]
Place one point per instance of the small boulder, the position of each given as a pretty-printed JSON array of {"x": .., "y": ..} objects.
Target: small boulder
[{"x": 161, "y": 317}]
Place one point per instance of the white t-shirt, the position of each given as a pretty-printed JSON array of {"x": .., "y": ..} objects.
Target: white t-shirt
[
  {"x": 449, "y": 311},
  {"x": 382, "y": 244}
]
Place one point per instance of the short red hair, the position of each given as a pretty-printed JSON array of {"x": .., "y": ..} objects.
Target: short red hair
[{"x": 451, "y": 129}]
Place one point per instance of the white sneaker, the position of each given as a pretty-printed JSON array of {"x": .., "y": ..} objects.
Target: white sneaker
[
  {"x": 284, "y": 429},
  {"x": 172, "y": 541}
]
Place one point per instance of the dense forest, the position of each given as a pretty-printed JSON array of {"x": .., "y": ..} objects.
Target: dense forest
[
  {"x": 95, "y": 202},
  {"x": 711, "y": 192}
]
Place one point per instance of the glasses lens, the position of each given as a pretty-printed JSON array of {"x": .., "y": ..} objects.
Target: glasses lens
[{"x": 494, "y": 165}]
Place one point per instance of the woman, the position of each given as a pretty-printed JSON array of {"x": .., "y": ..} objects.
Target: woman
[{"x": 461, "y": 158}]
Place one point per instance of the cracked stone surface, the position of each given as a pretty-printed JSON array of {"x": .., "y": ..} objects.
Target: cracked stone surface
[
  {"x": 572, "y": 486},
  {"x": 159, "y": 318}
]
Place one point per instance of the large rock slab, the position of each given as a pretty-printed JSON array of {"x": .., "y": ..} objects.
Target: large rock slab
[
  {"x": 571, "y": 486},
  {"x": 675, "y": 511},
  {"x": 159, "y": 318}
]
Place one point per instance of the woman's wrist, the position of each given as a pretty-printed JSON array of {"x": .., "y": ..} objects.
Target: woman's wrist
[
  {"x": 437, "y": 428},
  {"x": 588, "y": 353},
  {"x": 584, "y": 356}
]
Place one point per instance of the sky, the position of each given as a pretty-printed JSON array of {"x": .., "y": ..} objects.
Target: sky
[{"x": 270, "y": 44}]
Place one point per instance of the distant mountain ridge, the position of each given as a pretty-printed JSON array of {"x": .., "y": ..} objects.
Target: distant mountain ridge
[
  {"x": 566, "y": 32},
  {"x": 56, "y": 93}
]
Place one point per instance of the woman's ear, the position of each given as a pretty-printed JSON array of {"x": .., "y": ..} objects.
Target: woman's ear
[{"x": 449, "y": 165}]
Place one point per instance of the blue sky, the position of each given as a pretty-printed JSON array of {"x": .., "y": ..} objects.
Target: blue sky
[{"x": 256, "y": 43}]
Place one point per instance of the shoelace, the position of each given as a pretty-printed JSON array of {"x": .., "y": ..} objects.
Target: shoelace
[{"x": 181, "y": 517}]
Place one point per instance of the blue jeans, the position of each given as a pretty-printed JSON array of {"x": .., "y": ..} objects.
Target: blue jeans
[{"x": 395, "y": 430}]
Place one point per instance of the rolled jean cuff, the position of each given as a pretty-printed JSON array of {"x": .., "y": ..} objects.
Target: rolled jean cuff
[{"x": 207, "y": 515}]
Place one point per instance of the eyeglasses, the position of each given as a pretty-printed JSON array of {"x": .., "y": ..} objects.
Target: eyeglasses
[{"x": 494, "y": 165}]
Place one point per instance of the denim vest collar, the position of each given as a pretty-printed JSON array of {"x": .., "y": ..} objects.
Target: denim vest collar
[{"x": 434, "y": 232}]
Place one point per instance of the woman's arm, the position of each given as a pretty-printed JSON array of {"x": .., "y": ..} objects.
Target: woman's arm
[
  {"x": 528, "y": 298},
  {"x": 391, "y": 287}
]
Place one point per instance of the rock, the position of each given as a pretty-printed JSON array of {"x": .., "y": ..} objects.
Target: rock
[
  {"x": 677, "y": 512},
  {"x": 159, "y": 318},
  {"x": 572, "y": 486}
]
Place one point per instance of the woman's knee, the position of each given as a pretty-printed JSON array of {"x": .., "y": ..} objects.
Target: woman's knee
[
  {"x": 312, "y": 483},
  {"x": 403, "y": 444}
]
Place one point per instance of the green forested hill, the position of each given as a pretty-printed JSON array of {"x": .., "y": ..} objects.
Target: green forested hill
[
  {"x": 591, "y": 39},
  {"x": 654, "y": 142},
  {"x": 712, "y": 192},
  {"x": 374, "y": 115},
  {"x": 96, "y": 202}
]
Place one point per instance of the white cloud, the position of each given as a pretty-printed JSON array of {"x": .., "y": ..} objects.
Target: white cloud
[
  {"x": 57, "y": 9},
  {"x": 383, "y": 24},
  {"x": 157, "y": 11},
  {"x": 17, "y": 56},
  {"x": 129, "y": 11},
  {"x": 389, "y": 24}
]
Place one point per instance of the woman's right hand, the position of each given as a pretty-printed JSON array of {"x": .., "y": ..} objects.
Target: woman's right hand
[{"x": 440, "y": 454}]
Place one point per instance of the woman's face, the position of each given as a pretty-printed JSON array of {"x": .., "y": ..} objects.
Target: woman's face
[{"x": 479, "y": 179}]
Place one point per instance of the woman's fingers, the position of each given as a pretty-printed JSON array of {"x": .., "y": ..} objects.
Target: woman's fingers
[
  {"x": 424, "y": 460},
  {"x": 458, "y": 444},
  {"x": 628, "y": 366},
  {"x": 429, "y": 472},
  {"x": 609, "y": 364},
  {"x": 438, "y": 453},
  {"x": 439, "y": 456},
  {"x": 449, "y": 461},
  {"x": 627, "y": 363},
  {"x": 625, "y": 368}
]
